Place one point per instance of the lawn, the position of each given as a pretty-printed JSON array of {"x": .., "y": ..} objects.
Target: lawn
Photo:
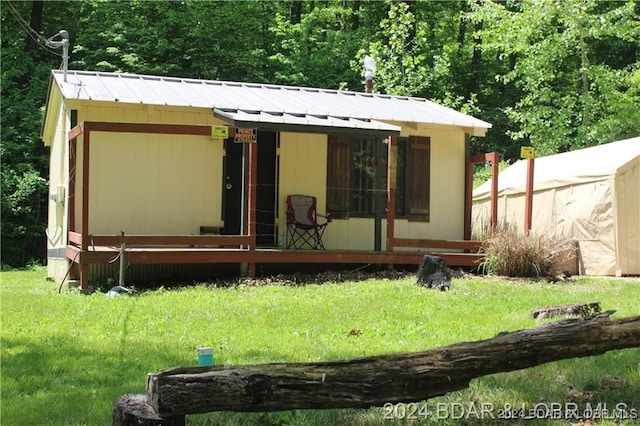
[{"x": 66, "y": 357}]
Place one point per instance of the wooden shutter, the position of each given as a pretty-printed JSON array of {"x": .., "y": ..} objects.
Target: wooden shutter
[
  {"x": 418, "y": 179},
  {"x": 338, "y": 176}
]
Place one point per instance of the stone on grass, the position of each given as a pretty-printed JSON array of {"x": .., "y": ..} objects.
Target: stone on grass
[{"x": 433, "y": 273}]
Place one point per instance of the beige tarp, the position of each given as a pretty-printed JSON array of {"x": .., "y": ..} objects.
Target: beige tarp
[{"x": 590, "y": 195}]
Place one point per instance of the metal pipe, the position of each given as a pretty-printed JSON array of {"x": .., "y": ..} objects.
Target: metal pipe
[{"x": 123, "y": 247}]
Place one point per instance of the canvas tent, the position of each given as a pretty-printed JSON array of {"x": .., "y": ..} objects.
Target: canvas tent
[{"x": 590, "y": 195}]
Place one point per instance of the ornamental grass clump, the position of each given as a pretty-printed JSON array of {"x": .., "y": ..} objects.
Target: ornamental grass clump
[{"x": 509, "y": 252}]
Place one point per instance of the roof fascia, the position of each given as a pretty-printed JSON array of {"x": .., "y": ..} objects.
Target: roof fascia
[
  {"x": 420, "y": 128},
  {"x": 299, "y": 128},
  {"x": 53, "y": 104}
]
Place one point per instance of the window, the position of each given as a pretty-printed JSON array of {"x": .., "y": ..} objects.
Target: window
[{"x": 356, "y": 173}]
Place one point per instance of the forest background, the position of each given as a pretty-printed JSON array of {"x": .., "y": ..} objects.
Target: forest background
[{"x": 554, "y": 74}]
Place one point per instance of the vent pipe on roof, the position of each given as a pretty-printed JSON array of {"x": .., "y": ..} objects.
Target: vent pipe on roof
[
  {"x": 369, "y": 70},
  {"x": 64, "y": 43}
]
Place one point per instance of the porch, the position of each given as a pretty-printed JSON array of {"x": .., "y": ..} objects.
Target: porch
[
  {"x": 85, "y": 249},
  {"x": 232, "y": 249}
]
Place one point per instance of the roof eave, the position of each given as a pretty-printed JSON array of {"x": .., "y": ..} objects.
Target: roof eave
[{"x": 231, "y": 119}]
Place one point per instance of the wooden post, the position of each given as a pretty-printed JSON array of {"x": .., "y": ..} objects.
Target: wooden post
[
  {"x": 374, "y": 381},
  {"x": 71, "y": 197},
  {"x": 392, "y": 167},
  {"x": 528, "y": 203},
  {"x": 84, "y": 226},
  {"x": 252, "y": 201},
  {"x": 494, "y": 190}
]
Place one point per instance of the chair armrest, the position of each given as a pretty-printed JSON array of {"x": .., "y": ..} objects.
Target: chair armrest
[{"x": 327, "y": 217}]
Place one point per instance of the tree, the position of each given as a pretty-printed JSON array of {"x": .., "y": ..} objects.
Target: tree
[
  {"x": 314, "y": 45},
  {"x": 572, "y": 95},
  {"x": 25, "y": 70}
]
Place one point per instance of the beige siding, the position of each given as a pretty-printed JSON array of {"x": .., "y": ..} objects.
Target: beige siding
[
  {"x": 58, "y": 166},
  {"x": 447, "y": 190},
  {"x": 353, "y": 234},
  {"x": 153, "y": 184},
  {"x": 303, "y": 170},
  {"x": 128, "y": 113},
  {"x": 55, "y": 136}
]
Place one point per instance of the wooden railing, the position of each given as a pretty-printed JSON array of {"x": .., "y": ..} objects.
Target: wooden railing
[
  {"x": 466, "y": 245},
  {"x": 162, "y": 240}
]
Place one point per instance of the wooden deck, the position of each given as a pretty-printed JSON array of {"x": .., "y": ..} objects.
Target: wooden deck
[
  {"x": 152, "y": 255},
  {"x": 224, "y": 249}
]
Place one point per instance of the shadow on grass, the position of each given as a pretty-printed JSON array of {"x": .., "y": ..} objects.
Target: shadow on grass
[{"x": 57, "y": 381}]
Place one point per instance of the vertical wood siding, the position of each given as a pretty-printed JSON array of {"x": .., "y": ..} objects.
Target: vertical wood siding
[
  {"x": 303, "y": 170},
  {"x": 153, "y": 184}
]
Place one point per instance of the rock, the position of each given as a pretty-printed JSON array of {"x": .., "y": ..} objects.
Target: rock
[
  {"x": 119, "y": 290},
  {"x": 433, "y": 273}
]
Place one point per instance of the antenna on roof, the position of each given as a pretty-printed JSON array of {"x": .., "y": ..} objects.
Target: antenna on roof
[
  {"x": 64, "y": 43},
  {"x": 369, "y": 70}
]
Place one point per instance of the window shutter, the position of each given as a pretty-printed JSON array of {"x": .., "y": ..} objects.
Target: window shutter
[
  {"x": 418, "y": 182},
  {"x": 338, "y": 175}
]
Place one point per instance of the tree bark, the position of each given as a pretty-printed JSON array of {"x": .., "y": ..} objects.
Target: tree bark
[
  {"x": 35, "y": 23},
  {"x": 134, "y": 410},
  {"x": 373, "y": 381}
]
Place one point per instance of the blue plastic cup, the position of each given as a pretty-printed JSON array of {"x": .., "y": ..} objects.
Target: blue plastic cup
[{"x": 205, "y": 356}]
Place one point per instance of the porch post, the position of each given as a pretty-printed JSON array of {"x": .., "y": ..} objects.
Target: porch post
[
  {"x": 494, "y": 190},
  {"x": 252, "y": 201},
  {"x": 392, "y": 168},
  {"x": 84, "y": 267},
  {"x": 468, "y": 191}
]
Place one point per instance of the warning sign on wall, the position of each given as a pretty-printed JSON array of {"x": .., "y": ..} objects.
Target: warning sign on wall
[
  {"x": 219, "y": 132},
  {"x": 245, "y": 135}
]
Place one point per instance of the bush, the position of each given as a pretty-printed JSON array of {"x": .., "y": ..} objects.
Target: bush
[{"x": 510, "y": 253}]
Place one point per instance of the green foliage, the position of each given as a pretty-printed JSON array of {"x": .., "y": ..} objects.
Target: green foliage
[
  {"x": 558, "y": 75},
  {"x": 572, "y": 94},
  {"x": 316, "y": 50},
  {"x": 483, "y": 172},
  {"x": 215, "y": 40},
  {"x": 24, "y": 159},
  {"x": 67, "y": 357},
  {"x": 508, "y": 252}
]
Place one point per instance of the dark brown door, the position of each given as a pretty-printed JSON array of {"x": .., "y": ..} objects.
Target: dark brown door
[{"x": 234, "y": 190}]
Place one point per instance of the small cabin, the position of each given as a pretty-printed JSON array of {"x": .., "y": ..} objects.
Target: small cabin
[{"x": 196, "y": 174}]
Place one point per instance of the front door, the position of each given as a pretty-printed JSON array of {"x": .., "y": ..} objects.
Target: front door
[{"x": 234, "y": 190}]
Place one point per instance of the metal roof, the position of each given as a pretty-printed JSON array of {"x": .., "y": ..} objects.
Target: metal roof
[{"x": 266, "y": 105}]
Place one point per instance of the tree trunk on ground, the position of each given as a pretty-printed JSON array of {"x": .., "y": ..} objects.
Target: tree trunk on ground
[
  {"x": 374, "y": 381},
  {"x": 134, "y": 410}
]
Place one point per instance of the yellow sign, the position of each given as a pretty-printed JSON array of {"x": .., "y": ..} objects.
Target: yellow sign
[
  {"x": 245, "y": 135},
  {"x": 527, "y": 152},
  {"x": 219, "y": 132}
]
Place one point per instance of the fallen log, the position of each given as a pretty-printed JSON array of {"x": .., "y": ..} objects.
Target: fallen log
[
  {"x": 585, "y": 310},
  {"x": 134, "y": 410},
  {"x": 374, "y": 381}
]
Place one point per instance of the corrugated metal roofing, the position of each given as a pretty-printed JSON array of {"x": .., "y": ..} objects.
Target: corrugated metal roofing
[{"x": 265, "y": 104}]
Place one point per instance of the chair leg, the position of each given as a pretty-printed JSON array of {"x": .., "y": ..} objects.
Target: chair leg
[{"x": 319, "y": 232}]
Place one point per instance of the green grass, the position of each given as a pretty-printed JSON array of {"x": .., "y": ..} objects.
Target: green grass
[{"x": 65, "y": 358}]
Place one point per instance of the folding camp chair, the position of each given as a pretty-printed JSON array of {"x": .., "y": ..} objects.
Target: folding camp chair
[{"x": 303, "y": 229}]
